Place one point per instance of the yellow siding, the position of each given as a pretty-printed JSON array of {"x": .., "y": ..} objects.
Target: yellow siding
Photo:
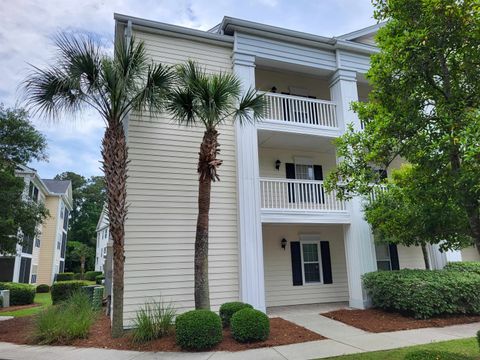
[
  {"x": 48, "y": 242},
  {"x": 162, "y": 193},
  {"x": 279, "y": 289}
]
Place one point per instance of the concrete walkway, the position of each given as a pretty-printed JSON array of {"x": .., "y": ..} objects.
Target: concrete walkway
[{"x": 342, "y": 339}]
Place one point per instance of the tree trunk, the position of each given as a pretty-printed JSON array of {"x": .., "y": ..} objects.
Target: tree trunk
[
  {"x": 207, "y": 170},
  {"x": 425, "y": 257},
  {"x": 114, "y": 152}
]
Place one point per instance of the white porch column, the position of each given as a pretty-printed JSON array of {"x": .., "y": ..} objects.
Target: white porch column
[
  {"x": 252, "y": 287},
  {"x": 359, "y": 245}
]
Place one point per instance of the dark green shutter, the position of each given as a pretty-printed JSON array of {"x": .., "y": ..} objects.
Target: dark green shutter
[
  {"x": 290, "y": 174},
  {"x": 296, "y": 263},
  {"x": 326, "y": 262},
  {"x": 394, "y": 256}
]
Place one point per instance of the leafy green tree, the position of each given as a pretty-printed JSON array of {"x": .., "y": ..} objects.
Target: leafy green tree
[
  {"x": 85, "y": 76},
  {"x": 409, "y": 210},
  {"x": 424, "y": 109},
  {"x": 209, "y": 101},
  {"x": 20, "y": 143}
]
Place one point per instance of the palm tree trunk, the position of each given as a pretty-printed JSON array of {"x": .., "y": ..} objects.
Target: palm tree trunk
[
  {"x": 207, "y": 165},
  {"x": 425, "y": 257},
  {"x": 114, "y": 154}
]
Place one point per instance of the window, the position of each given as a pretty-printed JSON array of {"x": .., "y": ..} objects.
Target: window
[
  {"x": 37, "y": 242},
  {"x": 96, "y": 260},
  {"x": 62, "y": 266},
  {"x": 64, "y": 245},
  {"x": 384, "y": 261},
  {"x": 311, "y": 262},
  {"x": 34, "y": 274},
  {"x": 59, "y": 245},
  {"x": 304, "y": 172},
  {"x": 65, "y": 219},
  {"x": 27, "y": 244},
  {"x": 61, "y": 210},
  {"x": 25, "y": 267}
]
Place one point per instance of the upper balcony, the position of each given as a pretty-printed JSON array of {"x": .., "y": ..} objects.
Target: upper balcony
[{"x": 301, "y": 115}]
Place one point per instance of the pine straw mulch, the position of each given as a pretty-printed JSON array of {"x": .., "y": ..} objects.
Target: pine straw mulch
[
  {"x": 18, "y": 307},
  {"x": 376, "y": 320},
  {"x": 282, "y": 332}
]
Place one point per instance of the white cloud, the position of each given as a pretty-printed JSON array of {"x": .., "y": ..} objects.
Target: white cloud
[{"x": 27, "y": 28}]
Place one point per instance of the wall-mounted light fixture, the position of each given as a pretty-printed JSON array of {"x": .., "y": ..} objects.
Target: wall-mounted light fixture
[
  {"x": 277, "y": 164},
  {"x": 273, "y": 89},
  {"x": 284, "y": 243}
]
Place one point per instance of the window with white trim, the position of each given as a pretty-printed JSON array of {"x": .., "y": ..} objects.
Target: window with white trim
[
  {"x": 311, "y": 262},
  {"x": 384, "y": 261}
]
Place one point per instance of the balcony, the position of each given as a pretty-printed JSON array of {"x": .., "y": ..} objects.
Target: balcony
[
  {"x": 300, "y": 201},
  {"x": 301, "y": 115}
]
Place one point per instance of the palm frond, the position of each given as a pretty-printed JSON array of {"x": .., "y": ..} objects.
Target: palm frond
[
  {"x": 252, "y": 107},
  {"x": 181, "y": 105}
]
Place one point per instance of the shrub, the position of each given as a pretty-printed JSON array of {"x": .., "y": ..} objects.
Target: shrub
[
  {"x": 20, "y": 294},
  {"x": 91, "y": 275},
  {"x": 250, "y": 325},
  {"x": 424, "y": 293},
  {"x": 97, "y": 300},
  {"x": 478, "y": 339},
  {"x": 153, "y": 320},
  {"x": 1, "y": 301},
  {"x": 66, "y": 276},
  {"x": 230, "y": 308},
  {"x": 61, "y": 324},
  {"x": 99, "y": 279},
  {"x": 43, "y": 288},
  {"x": 62, "y": 290},
  {"x": 77, "y": 276},
  {"x": 434, "y": 355},
  {"x": 198, "y": 330},
  {"x": 464, "y": 266}
]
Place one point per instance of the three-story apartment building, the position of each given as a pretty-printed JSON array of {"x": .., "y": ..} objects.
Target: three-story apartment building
[
  {"x": 39, "y": 259},
  {"x": 276, "y": 236}
]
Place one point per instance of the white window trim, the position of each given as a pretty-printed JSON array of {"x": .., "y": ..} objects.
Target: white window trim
[
  {"x": 319, "y": 262},
  {"x": 389, "y": 259}
]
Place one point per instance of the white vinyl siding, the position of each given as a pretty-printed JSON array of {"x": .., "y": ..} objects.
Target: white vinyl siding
[
  {"x": 279, "y": 289},
  {"x": 410, "y": 257},
  {"x": 162, "y": 191}
]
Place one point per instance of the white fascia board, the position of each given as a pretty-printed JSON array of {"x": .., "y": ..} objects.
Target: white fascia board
[{"x": 361, "y": 32}]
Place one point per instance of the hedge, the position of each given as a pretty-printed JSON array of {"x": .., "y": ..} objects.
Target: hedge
[
  {"x": 99, "y": 279},
  {"x": 424, "y": 293},
  {"x": 198, "y": 330},
  {"x": 61, "y": 290},
  {"x": 464, "y": 266},
  {"x": 228, "y": 309},
  {"x": 250, "y": 325},
  {"x": 65, "y": 276},
  {"x": 43, "y": 288},
  {"x": 91, "y": 275},
  {"x": 20, "y": 294}
]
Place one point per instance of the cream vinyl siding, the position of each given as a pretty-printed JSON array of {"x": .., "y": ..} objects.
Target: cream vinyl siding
[
  {"x": 279, "y": 289},
  {"x": 470, "y": 254},
  {"x": 48, "y": 243},
  {"x": 162, "y": 190},
  {"x": 410, "y": 257}
]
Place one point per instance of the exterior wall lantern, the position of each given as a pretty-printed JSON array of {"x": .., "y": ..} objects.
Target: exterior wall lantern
[
  {"x": 277, "y": 164},
  {"x": 284, "y": 243}
]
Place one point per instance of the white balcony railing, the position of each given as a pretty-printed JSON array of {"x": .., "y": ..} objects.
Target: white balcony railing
[
  {"x": 301, "y": 110},
  {"x": 298, "y": 195}
]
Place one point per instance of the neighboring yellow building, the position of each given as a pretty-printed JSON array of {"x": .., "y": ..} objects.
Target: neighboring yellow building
[{"x": 40, "y": 259}]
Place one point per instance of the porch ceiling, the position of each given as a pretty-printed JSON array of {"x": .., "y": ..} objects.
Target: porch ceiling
[{"x": 300, "y": 142}]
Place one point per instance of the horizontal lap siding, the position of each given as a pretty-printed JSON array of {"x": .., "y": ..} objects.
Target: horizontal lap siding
[
  {"x": 279, "y": 289},
  {"x": 162, "y": 193}
]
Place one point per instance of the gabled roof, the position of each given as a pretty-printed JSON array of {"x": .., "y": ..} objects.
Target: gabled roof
[
  {"x": 57, "y": 186},
  {"x": 361, "y": 33}
]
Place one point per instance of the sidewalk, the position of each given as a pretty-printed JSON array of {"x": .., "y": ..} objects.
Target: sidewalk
[{"x": 342, "y": 339}]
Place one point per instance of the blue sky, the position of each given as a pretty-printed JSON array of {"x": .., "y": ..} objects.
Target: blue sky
[{"x": 27, "y": 27}]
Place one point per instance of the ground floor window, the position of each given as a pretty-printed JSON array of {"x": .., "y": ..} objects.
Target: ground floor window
[
  {"x": 311, "y": 262},
  {"x": 384, "y": 261}
]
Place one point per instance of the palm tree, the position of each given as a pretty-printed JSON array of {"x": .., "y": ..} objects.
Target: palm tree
[
  {"x": 209, "y": 101},
  {"x": 84, "y": 76}
]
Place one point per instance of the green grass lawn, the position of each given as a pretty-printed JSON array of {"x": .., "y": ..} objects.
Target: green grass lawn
[
  {"x": 43, "y": 299},
  {"x": 460, "y": 349}
]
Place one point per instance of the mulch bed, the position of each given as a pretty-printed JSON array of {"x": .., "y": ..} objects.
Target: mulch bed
[
  {"x": 376, "y": 321},
  {"x": 282, "y": 332}
]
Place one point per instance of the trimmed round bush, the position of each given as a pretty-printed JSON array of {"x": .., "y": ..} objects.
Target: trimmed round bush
[
  {"x": 99, "y": 279},
  {"x": 20, "y": 294},
  {"x": 65, "y": 276},
  {"x": 434, "y": 355},
  {"x": 62, "y": 290},
  {"x": 198, "y": 330},
  {"x": 228, "y": 309},
  {"x": 43, "y": 288},
  {"x": 91, "y": 275},
  {"x": 424, "y": 293},
  {"x": 249, "y": 325}
]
